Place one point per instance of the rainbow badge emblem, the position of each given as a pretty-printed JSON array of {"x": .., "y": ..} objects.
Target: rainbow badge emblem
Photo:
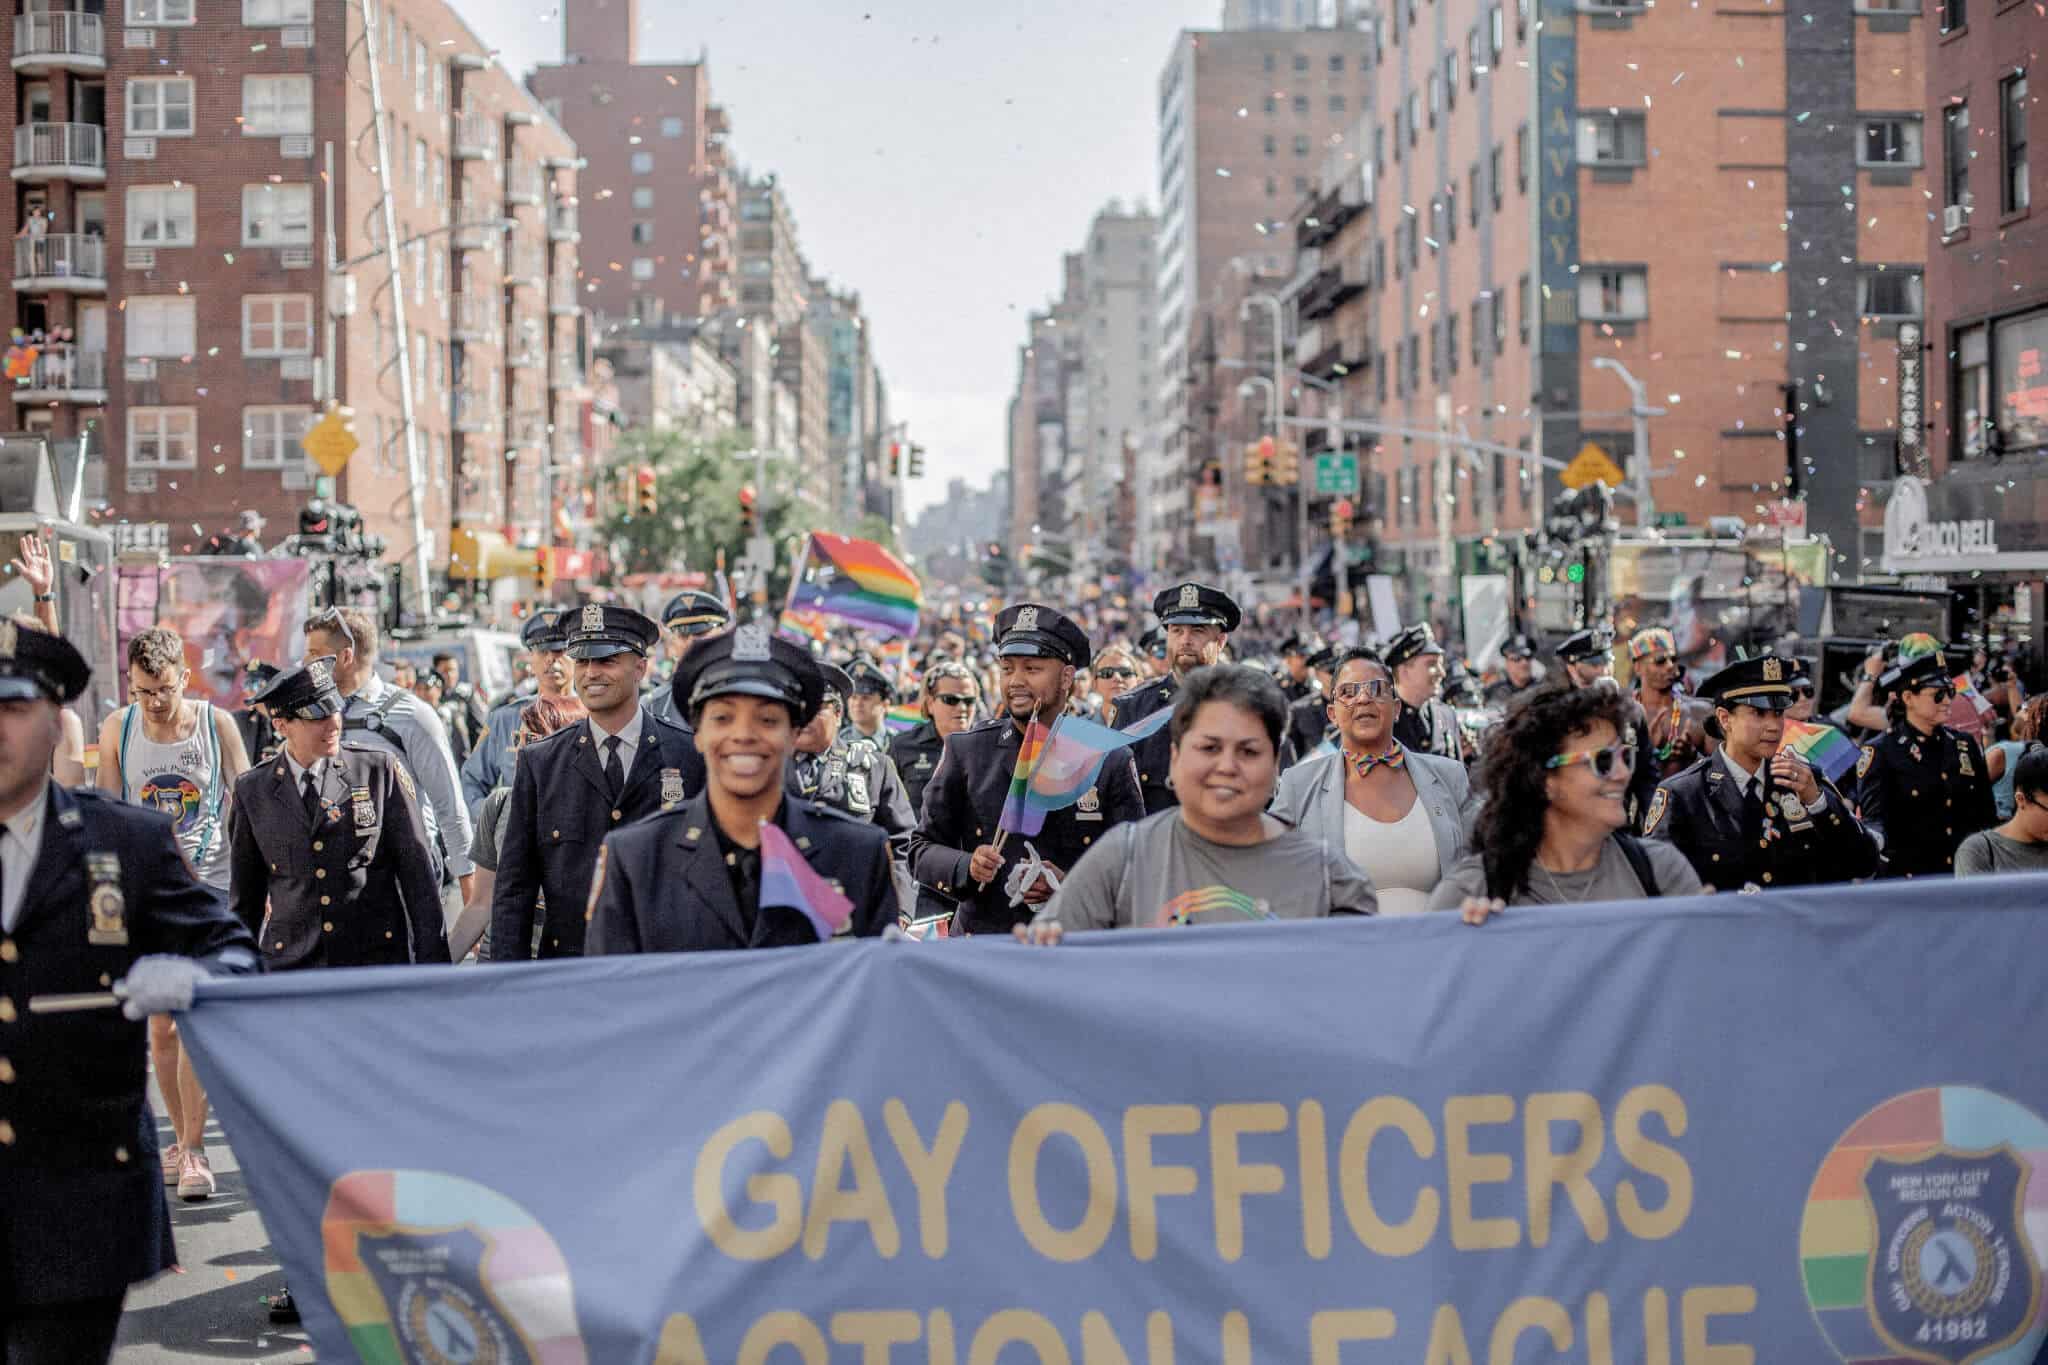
[
  {"x": 1924, "y": 1230},
  {"x": 428, "y": 1267}
]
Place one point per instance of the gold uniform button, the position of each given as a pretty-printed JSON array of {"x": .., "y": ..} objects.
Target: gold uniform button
[
  {"x": 8, "y": 952},
  {"x": 6, "y": 1133},
  {"x": 615, "y": 815},
  {"x": 317, "y": 846},
  {"x": 6, "y": 1010},
  {"x": 319, "y": 874},
  {"x": 1767, "y": 876},
  {"x": 387, "y": 933},
  {"x": 279, "y": 945},
  {"x": 327, "y": 927},
  {"x": 327, "y": 900},
  {"x": 557, "y": 834},
  {"x": 6, "y": 1072},
  {"x": 105, "y": 979},
  {"x": 121, "y": 1155}
]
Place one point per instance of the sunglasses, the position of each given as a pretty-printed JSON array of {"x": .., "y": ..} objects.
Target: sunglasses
[
  {"x": 1116, "y": 672},
  {"x": 332, "y": 620},
  {"x": 1661, "y": 660},
  {"x": 1371, "y": 690},
  {"x": 1603, "y": 761},
  {"x": 963, "y": 700},
  {"x": 1941, "y": 691}
]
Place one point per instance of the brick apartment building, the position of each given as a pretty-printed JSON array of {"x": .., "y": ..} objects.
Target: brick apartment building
[
  {"x": 657, "y": 174},
  {"x": 1972, "y": 504},
  {"x": 173, "y": 235},
  {"x": 1722, "y": 203}
]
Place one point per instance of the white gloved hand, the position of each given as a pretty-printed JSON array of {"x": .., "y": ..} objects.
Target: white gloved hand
[{"x": 158, "y": 984}]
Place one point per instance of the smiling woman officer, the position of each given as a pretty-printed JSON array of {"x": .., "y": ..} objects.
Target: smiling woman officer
[{"x": 692, "y": 879}]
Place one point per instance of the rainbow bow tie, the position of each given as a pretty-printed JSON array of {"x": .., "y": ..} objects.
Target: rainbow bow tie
[{"x": 1363, "y": 764}]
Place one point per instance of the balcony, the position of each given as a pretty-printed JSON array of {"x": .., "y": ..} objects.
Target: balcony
[
  {"x": 529, "y": 431},
  {"x": 716, "y": 121},
  {"x": 524, "y": 355},
  {"x": 1334, "y": 207},
  {"x": 44, "y": 152},
  {"x": 562, "y": 300},
  {"x": 525, "y": 185},
  {"x": 525, "y": 264},
  {"x": 479, "y": 224},
  {"x": 60, "y": 263},
  {"x": 59, "y": 40},
  {"x": 474, "y": 412},
  {"x": 1328, "y": 288},
  {"x": 65, "y": 374},
  {"x": 562, "y": 223},
  {"x": 476, "y": 137},
  {"x": 567, "y": 372},
  {"x": 474, "y": 318}
]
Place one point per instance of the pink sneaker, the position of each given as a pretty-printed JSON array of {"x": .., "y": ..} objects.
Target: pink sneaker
[
  {"x": 174, "y": 1164},
  {"x": 195, "y": 1178}
]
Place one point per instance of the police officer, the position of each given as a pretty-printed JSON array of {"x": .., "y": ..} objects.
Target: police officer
[
  {"x": 1588, "y": 660},
  {"x": 582, "y": 782},
  {"x": 1308, "y": 720},
  {"x": 1152, "y": 651},
  {"x": 1518, "y": 669},
  {"x": 950, "y": 694},
  {"x": 953, "y": 854},
  {"x": 689, "y": 617},
  {"x": 1298, "y": 681},
  {"x": 693, "y": 878},
  {"x": 328, "y": 859},
  {"x": 1753, "y": 814},
  {"x": 93, "y": 892},
  {"x": 1677, "y": 733},
  {"x": 1197, "y": 620},
  {"x": 867, "y": 704},
  {"x": 485, "y": 769},
  {"x": 1427, "y": 724},
  {"x": 1922, "y": 786},
  {"x": 835, "y": 765}
]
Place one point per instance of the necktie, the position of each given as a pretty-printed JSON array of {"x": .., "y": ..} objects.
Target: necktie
[
  {"x": 309, "y": 794},
  {"x": 1752, "y": 810},
  {"x": 614, "y": 770}
]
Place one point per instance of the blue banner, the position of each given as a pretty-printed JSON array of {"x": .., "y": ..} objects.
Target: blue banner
[{"x": 1797, "y": 1127}]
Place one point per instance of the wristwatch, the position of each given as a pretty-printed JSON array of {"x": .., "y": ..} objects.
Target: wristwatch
[{"x": 46, "y": 597}]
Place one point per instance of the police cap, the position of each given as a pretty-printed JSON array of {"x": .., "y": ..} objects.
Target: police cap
[
  {"x": 598, "y": 631},
  {"x": 1032, "y": 631},
  {"x": 306, "y": 693},
  {"x": 1411, "y": 643},
  {"x": 1923, "y": 670},
  {"x": 695, "y": 613},
  {"x": 1595, "y": 642},
  {"x": 36, "y": 665},
  {"x": 1300, "y": 643},
  {"x": 542, "y": 632},
  {"x": 1518, "y": 647},
  {"x": 866, "y": 679},
  {"x": 838, "y": 686},
  {"x": 1196, "y": 604},
  {"x": 1153, "y": 642},
  {"x": 1764, "y": 682},
  {"x": 749, "y": 662},
  {"x": 1325, "y": 657}
]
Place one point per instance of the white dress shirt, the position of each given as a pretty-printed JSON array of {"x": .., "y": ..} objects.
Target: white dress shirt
[
  {"x": 21, "y": 844},
  {"x": 629, "y": 740},
  {"x": 299, "y": 771},
  {"x": 1743, "y": 777}
]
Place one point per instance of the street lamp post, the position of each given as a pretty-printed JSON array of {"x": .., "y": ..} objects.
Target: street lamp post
[
  {"x": 1639, "y": 412},
  {"x": 1279, "y": 414}
]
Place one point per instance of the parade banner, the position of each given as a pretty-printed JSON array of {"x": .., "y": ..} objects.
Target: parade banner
[{"x": 1795, "y": 1127}]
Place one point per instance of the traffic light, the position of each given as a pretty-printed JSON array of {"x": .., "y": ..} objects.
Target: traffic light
[
  {"x": 1340, "y": 518},
  {"x": 917, "y": 462},
  {"x": 542, "y": 579},
  {"x": 643, "y": 491},
  {"x": 1286, "y": 464},
  {"x": 750, "y": 518},
  {"x": 895, "y": 460},
  {"x": 1258, "y": 462}
]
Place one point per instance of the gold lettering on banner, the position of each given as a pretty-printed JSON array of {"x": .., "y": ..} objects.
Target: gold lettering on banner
[
  {"x": 1528, "y": 1315},
  {"x": 1560, "y": 124},
  {"x": 1560, "y": 248},
  {"x": 1560, "y": 160},
  {"x": 1559, "y": 204},
  {"x": 1560, "y": 79}
]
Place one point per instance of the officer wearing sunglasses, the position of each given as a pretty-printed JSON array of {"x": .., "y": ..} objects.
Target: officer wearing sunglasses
[{"x": 1922, "y": 786}]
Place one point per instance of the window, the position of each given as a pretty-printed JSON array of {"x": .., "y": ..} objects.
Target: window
[
  {"x": 1336, "y": 63},
  {"x": 1521, "y": 20},
  {"x": 671, "y": 127},
  {"x": 2012, "y": 142},
  {"x": 1498, "y": 22},
  {"x": 1301, "y": 145},
  {"x": 1888, "y": 292},
  {"x": 1300, "y": 62},
  {"x": 1301, "y": 184},
  {"x": 1955, "y": 149},
  {"x": 1272, "y": 186},
  {"x": 1472, "y": 193},
  {"x": 1436, "y": 97},
  {"x": 643, "y": 196},
  {"x": 1451, "y": 342},
  {"x": 1498, "y": 309},
  {"x": 270, "y": 437},
  {"x": 1522, "y": 310},
  {"x": 1889, "y": 141},
  {"x": 1887, "y": 6},
  {"x": 419, "y": 169},
  {"x": 160, "y": 107},
  {"x": 419, "y": 75},
  {"x": 1450, "y": 80},
  {"x": 277, "y": 215},
  {"x": 1272, "y": 144},
  {"x": 1271, "y": 64},
  {"x": 163, "y": 438},
  {"x": 1954, "y": 14},
  {"x": 1614, "y": 294},
  {"x": 2017, "y": 344},
  {"x": 643, "y": 163},
  {"x": 643, "y": 232},
  {"x": 1973, "y": 390},
  {"x": 1522, "y": 158},
  {"x": 1497, "y": 170},
  {"x": 277, "y": 324},
  {"x": 1612, "y": 139},
  {"x": 1451, "y": 212},
  {"x": 1272, "y": 105},
  {"x": 275, "y": 13},
  {"x": 1336, "y": 104},
  {"x": 643, "y": 269},
  {"x": 1379, "y": 147},
  {"x": 160, "y": 12},
  {"x": 161, "y": 326},
  {"x": 1301, "y": 104},
  {"x": 275, "y": 105},
  {"x": 440, "y": 88},
  {"x": 1400, "y": 131},
  {"x": 160, "y": 215},
  {"x": 1414, "y": 116}
]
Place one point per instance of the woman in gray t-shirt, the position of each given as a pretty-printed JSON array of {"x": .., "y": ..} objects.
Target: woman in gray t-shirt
[
  {"x": 1217, "y": 858},
  {"x": 2021, "y": 843}
]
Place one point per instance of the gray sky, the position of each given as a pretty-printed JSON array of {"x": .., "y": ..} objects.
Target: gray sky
[{"x": 939, "y": 157}]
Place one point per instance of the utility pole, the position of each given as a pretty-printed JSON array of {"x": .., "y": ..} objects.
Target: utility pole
[
  {"x": 1446, "y": 551},
  {"x": 1639, "y": 412},
  {"x": 1278, "y": 415}
]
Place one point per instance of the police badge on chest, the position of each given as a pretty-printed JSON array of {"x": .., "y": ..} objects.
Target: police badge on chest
[
  {"x": 106, "y": 904},
  {"x": 361, "y": 808}
]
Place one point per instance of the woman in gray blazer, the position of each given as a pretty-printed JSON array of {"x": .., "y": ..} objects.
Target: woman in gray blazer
[{"x": 1403, "y": 817}]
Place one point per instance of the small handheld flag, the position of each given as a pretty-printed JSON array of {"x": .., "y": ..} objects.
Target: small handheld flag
[
  {"x": 899, "y": 719},
  {"x": 1017, "y": 817},
  {"x": 1823, "y": 747},
  {"x": 1150, "y": 726},
  {"x": 787, "y": 880}
]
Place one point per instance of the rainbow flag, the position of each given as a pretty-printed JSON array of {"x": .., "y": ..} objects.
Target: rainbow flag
[
  {"x": 801, "y": 626},
  {"x": 1072, "y": 761},
  {"x": 787, "y": 880},
  {"x": 860, "y": 583},
  {"x": 1017, "y": 817},
  {"x": 898, "y": 719},
  {"x": 1971, "y": 711},
  {"x": 1822, "y": 747},
  {"x": 1183, "y": 908}
]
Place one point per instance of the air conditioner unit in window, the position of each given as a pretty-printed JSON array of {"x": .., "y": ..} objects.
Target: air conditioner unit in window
[
  {"x": 295, "y": 257},
  {"x": 142, "y": 481},
  {"x": 341, "y": 296},
  {"x": 141, "y": 371},
  {"x": 299, "y": 35},
  {"x": 1954, "y": 219},
  {"x": 138, "y": 37},
  {"x": 297, "y": 146},
  {"x": 295, "y": 367},
  {"x": 139, "y": 258},
  {"x": 139, "y": 148}
]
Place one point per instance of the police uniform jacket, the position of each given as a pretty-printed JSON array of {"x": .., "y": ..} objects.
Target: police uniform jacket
[
  {"x": 916, "y": 756},
  {"x": 1732, "y": 844},
  {"x": 1154, "y": 753},
  {"x": 561, "y": 809},
  {"x": 1431, "y": 728},
  {"x": 1922, "y": 795},
  {"x": 663, "y": 885},
  {"x": 484, "y": 770},
  {"x": 964, "y": 805},
  {"x": 854, "y": 776},
  {"x": 82, "y": 1210},
  {"x": 357, "y": 888},
  {"x": 1642, "y": 782},
  {"x": 1502, "y": 694},
  {"x": 1295, "y": 691},
  {"x": 1308, "y": 724}
]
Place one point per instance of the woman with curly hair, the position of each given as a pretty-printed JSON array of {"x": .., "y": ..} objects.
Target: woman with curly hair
[{"x": 1551, "y": 829}]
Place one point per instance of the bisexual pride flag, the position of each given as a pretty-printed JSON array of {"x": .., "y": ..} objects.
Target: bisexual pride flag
[{"x": 787, "y": 880}]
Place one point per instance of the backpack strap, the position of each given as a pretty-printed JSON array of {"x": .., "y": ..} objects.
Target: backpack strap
[{"x": 1638, "y": 862}]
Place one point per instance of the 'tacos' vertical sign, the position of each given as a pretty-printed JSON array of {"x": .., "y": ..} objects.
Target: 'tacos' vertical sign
[{"x": 1912, "y": 450}]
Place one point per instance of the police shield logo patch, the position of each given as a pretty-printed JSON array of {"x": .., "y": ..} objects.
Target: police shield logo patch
[
  {"x": 671, "y": 786},
  {"x": 1953, "y": 1280},
  {"x": 1658, "y": 805},
  {"x": 1863, "y": 762},
  {"x": 593, "y": 620},
  {"x": 1027, "y": 619},
  {"x": 750, "y": 644},
  {"x": 1190, "y": 597}
]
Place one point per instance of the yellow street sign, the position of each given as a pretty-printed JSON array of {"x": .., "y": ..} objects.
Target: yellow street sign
[
  {"x": 1590, "y": 466},
  {"x": 330, "y": 442}
]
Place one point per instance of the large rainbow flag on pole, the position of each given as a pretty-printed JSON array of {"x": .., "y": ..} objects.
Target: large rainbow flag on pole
[{"x": 856, "y": 582}]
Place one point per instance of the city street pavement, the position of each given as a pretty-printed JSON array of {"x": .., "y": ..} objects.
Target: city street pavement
[{"x": 211, "y": 1307}]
